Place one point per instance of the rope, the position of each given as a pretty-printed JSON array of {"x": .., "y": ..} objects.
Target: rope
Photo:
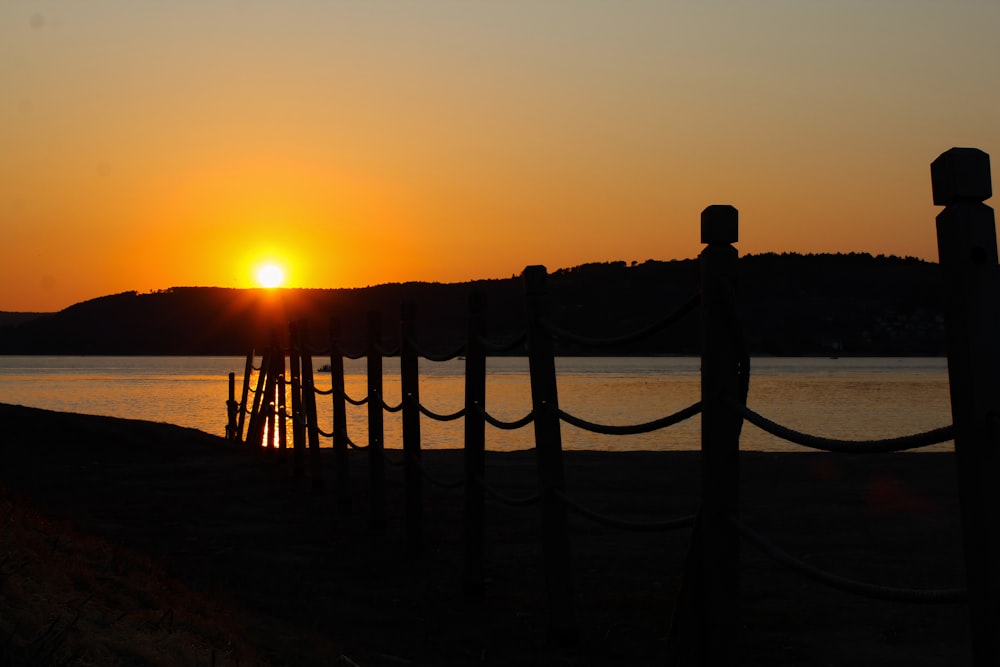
[
  {"x": 503, "y": 499},
  {"x": 637, "y": 526},
  {"x": 354, "y": 401},
  {"x": 391, "y": 461},
  {"x": 434, "y": 415},
  {"x": 507, "y": 426},
  {"x": 387, "y": 351},
  {"x": 898, "y": 444},
  {"x": 447, "y": 356},
  {"x": 640, "y": 334},
  {"x": 322, "y": 392},
  {"x": 493, "y": 346},
  {"x": 893, "y": 594},
  {"x": 347, "y": 354},
  {"x": 647, "y": 427},
  {"x": 324, "y": 433},
  {"x": 256, "y": 368},
  {"x": 392, "y": 408},
  {"x": 448, "y": 486},
  {"x": 352, "y": 444}
]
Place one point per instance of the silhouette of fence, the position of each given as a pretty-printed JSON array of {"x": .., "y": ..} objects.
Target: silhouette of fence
[{"x": 706, "y": 626}]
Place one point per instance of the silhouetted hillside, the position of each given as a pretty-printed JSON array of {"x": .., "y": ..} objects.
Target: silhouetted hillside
[{"x": 790, "y": 304}]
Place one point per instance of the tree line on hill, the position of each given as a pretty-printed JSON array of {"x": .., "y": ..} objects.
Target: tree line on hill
[{"x": 790, "y": 304}]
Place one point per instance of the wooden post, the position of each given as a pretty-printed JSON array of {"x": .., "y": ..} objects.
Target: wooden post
[
  {"x": 409, "y": 367},
  {"x": 475, "y": 447},
  {"x": 309, "y": 407},
  {"x": 340, "y": 456},
  {"x": 717, "y": 604},
  {"x": 282, "y": 421},
  {"x": 558, "y": 567},
  {"x": 247, "y": 370},
  {"x": 376, "y": 465},
  {"x": 271, "y": 391},
  {"x": 298, "y": 418},
  {"x": 232, "y": 407},
  {"x": 255, "y": 434},
  {"x": 967, "y": 248}
]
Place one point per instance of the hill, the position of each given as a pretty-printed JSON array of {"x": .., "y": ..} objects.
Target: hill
[{"x": 790, "y": 304}]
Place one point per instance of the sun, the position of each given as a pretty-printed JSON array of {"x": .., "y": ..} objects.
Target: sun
[{"x": 270, "y": 275}]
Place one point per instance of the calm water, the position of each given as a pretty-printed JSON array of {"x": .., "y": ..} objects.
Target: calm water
[{"x": 843, "y": 398}]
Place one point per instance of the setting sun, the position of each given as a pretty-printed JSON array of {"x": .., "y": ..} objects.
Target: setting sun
[{"x": 270, "y": 275}]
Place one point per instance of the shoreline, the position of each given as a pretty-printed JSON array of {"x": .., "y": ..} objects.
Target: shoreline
[{"x": 308, "y": 582}]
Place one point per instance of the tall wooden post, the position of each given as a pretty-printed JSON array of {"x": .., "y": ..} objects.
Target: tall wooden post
[
  {"x": 558, "y": 566},
  {"x": 475, "y": 447},
  {"x": 309, "y": 407},
  {"x": 340, "y": 456},
  {"x": 298, "y": 419},
  {"x": 232, "y": 407},
  {"x": 247, "y": 371},
  {"x": 409, "y": 367},
  {"x": 271, "y": 391},
  {"x": 376, "y": 465},
  {"x": 255, "y": 435},
  {"x": 706, "y": 626},
  {"x": 967, "y": 248}
]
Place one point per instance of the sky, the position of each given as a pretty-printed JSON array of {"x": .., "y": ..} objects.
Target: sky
[{"x": 145, "y": 144}]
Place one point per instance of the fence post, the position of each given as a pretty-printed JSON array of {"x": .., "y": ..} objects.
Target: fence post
[
  {"x": 282, "y": 421},
  {"x": 376, "y": 465},
  {"x": 309, "y": 406},
  {"x": 247, "y": 370},
  {"x": 298, "y": 426},
  {"x": 340, "y": 458},
  {"x": 967, "y": 249},
  {"x": 709, "y": 599},
  {"x": 231, "y": 408},
  {"x": 409, "y": 371},
  {"x": 271, "y": 390},
  {"x": 255, "y": 434},
  {"x": 558, "y": 567},
  {"x": 475, "y": 446}
]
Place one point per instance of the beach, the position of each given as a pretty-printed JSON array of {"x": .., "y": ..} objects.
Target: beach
[{"x": 147, "y": 543}]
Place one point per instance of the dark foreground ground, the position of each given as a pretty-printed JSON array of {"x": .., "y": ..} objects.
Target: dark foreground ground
[{"x": 135, "y": 543}]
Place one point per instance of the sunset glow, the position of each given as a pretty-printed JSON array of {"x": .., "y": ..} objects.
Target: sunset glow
[
  {"x": 270, "y": 275},
  {"x": 151, "y": 145}
]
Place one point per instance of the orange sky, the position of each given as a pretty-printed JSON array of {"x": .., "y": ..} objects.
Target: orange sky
[{"x": 147, "y": 145}]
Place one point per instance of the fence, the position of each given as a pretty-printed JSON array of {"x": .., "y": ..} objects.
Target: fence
[{"x": 706, "y": 626}]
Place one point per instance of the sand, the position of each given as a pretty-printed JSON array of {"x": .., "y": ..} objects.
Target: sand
[{"x": 284, "y": 576}]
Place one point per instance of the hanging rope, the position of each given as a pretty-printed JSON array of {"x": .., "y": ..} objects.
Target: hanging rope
[
  {"x": 899, "y": 444},
  {"x": 498, "y": 347},
  {"x": 348, "y": 354},
  {"x": 647, "y": 427},
  {"x": 893, "y": 594},
  {"x": 392, "y": 408},
  {"x": 633, "y": 337},
  {"x": 434, "y": 415},
  {"x": 507, "y": 426},
  {"x": 430, "y": 356},
  {"x": 353, "y": 401},
  {"x": 635, "y": 526},
  {"x": 322, "y": 392},
  {"x": 504, "y": 499},
  {"x": 387, "y": 351}
]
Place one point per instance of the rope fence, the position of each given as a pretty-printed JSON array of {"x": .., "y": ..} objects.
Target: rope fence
[{"x": 711, "y": 567}]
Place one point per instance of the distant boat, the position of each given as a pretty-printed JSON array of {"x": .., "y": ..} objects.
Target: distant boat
[{"x": 325, "y": 368}]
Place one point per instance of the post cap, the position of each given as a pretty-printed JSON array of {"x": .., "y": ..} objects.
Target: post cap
[
  {"x": 534, "y": 278},
  {"x": 961, "y": 175},
  {"x": 720, "y": 223}
]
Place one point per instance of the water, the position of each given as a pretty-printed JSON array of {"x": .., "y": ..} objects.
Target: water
[{"x": 842, "y": 398}]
